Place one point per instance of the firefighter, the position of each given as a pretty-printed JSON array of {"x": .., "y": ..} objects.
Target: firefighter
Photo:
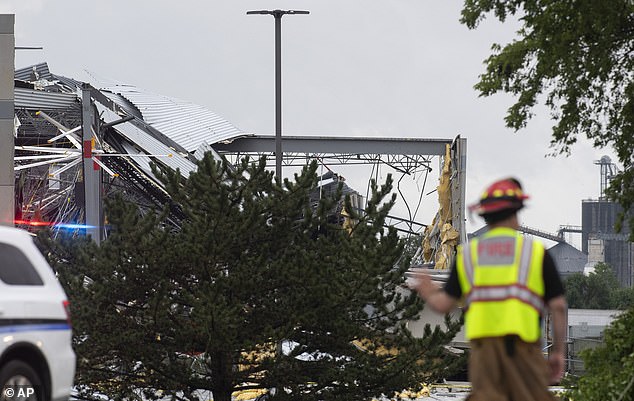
[{"x": 506, "y": 282}]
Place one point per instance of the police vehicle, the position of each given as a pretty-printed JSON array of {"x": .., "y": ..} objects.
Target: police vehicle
[{"x": 37, "y": 361}]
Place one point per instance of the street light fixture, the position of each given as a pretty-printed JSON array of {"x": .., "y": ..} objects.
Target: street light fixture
[{"x": 277, "y": 14}]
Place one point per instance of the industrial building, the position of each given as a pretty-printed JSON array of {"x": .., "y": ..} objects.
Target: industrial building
[
  {"x": 66, "y": 145},
  {"x": 56, "y": 179},
  {"x": 586, "y": 329},
  {"x": 601, "y": 241},
  {"x": 136, "y": 127},
  {"x": 76, "y": 144}
]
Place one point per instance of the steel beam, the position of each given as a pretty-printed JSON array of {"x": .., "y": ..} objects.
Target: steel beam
[
  {"x": 92, "y": 172},
  {"x": 407, "y": 155},
  {"x": 458, "y": 186},
  {"x": 325, "y": 144}
]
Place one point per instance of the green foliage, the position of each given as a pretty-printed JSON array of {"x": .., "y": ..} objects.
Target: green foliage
[
  {"x": 255, "y": 289},
  {"x": 599, "y": 290},
  {"x": 578, "y": 56},
  {"x": 623, "y": 298},
  {"x": 610, "y": 367}
]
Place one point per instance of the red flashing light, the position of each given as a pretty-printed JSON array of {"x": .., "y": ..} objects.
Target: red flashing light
[{"x": 33, "y": 223}]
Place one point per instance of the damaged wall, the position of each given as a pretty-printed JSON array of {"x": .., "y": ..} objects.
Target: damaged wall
[{"x": 441, "y": 238}]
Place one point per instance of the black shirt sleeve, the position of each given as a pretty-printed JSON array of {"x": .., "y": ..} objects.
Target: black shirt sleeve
[
  {"x": 452, "y": 286},
  {"x": 553, "y": 287}
]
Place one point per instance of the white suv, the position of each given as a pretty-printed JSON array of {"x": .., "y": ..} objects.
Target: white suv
[{"x": 37, "y": 361}]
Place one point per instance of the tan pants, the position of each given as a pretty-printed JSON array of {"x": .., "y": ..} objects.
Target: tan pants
[{"x": 498, "y": 373}]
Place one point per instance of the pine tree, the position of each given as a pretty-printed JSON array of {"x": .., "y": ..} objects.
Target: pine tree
[{"x": 255, "y": 289}]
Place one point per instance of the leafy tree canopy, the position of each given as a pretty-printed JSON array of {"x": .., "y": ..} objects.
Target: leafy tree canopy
[
  {"x": 580, "y": 56},
  {"x": 598, "y": 290},
  {"x": 256, "y": 289}
]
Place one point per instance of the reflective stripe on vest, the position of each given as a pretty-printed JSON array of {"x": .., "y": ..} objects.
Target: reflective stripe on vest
[
  {"x": 503, "y": 294},
  {"x": 525, "y": 260},
  {"x": 492, "y": 294}
]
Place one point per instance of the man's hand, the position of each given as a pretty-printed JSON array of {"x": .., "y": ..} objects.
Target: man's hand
[
  {"x": 423, "y": 285},
  {"x": 556, "y": 360},
  {"x": 431, "y": 293},
  {"x": 556, "y": 363}
]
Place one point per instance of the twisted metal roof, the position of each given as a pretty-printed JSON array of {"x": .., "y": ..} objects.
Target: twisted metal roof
[{"x": 188, "y": 124}]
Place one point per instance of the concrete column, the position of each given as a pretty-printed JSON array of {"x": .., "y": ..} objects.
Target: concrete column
[{"x": 7, "y": 115}]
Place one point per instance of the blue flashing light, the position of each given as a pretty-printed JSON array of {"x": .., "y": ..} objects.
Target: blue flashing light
[{"x": 72, "y": 226}]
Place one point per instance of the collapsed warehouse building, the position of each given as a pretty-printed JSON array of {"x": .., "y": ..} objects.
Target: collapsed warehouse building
[
  {"x": 127, "y": 129},
  {"x": 76, "y": 144}
]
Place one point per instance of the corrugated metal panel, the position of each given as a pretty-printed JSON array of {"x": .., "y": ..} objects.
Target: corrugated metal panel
[
  {"x": 124, "y": 103},
  {"x": 24, "y": 74},
  {"x": 67, "y": 84},
  {"x": 39, "y": 100},
  {"x": 187, "y": 124},
  {"x": 148, "y": 143},
  {"x": 142, "y": 162},
  {"x": 204, "y": 148}
]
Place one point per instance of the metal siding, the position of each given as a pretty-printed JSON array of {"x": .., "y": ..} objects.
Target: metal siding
[
  {"x": 592, "y": 317},
  {"x": 147, "y": 142},
  {"x": 124, "y": 103},
  {"x": 67, "y": 84},
  {"x": 187, "y": 124},
  {"x": 204, "y": 148},
  {"x": 597, "y": 216},
  {"x": 598, "y": 219},
  {"x": 142, "y": 162},
  {"x": 24, "y": 74},
  {"x": 586, "y": 331},
  {"x": 31, "y": 99}
]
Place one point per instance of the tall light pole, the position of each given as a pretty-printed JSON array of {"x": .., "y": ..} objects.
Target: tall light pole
[{"x": 277, "y": 14}]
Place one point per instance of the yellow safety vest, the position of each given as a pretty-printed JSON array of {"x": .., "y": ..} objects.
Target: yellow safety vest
[{"x": 500, "y": 274}]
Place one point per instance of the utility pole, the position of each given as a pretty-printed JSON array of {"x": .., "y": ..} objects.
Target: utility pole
[
  {"x": 277, "y": 14},
  {"x": 7, "y": 118}
]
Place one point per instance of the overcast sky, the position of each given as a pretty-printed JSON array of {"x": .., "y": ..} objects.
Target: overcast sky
[{"x": 400, "y": 68}]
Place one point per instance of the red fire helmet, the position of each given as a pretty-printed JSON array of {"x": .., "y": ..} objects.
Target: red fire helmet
[{"x": 502, "y": 195}]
